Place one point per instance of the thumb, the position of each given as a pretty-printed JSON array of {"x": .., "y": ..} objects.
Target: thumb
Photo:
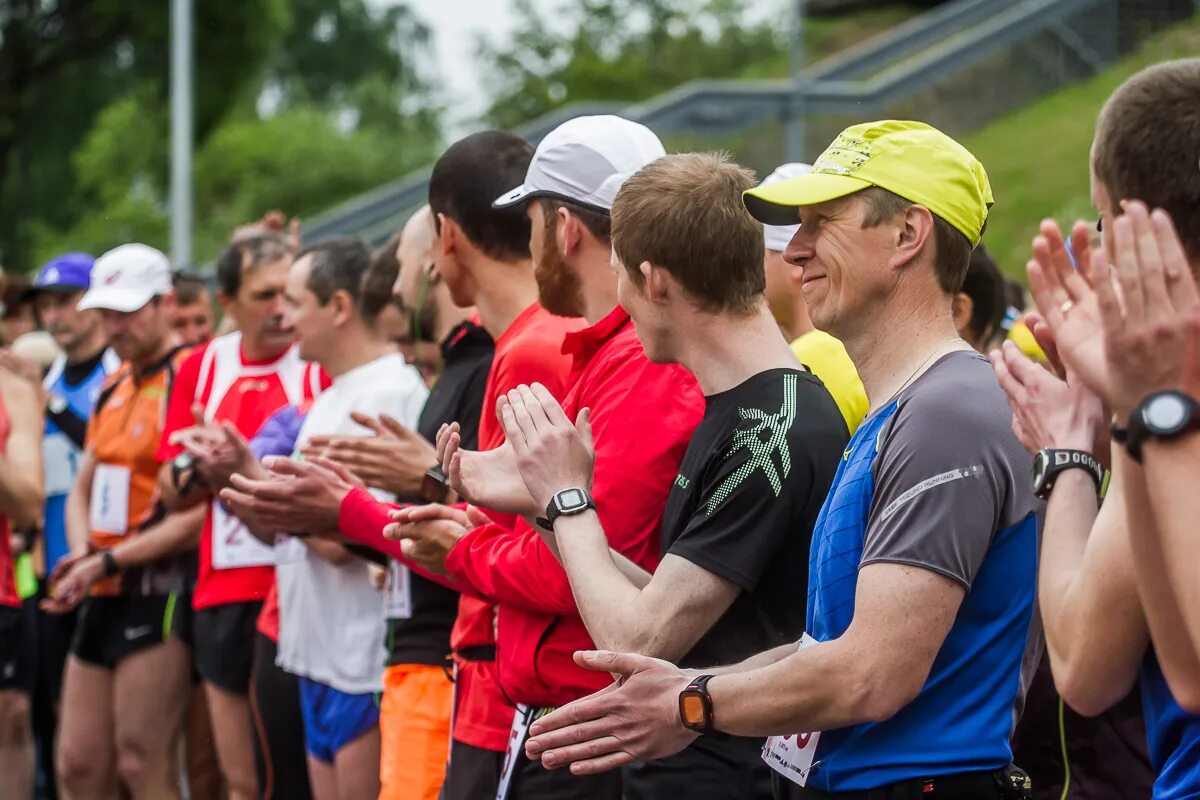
[
  {"x": 477, "y": 517},
  {"x": 619, "y": 664},
  {"x": 197, "y": 413},
  {"x": 583, "y": 424},
  {"x": 287, "y": 466}
]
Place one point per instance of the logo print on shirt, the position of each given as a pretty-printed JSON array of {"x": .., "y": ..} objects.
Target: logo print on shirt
[{"x": 776, "y": 427}]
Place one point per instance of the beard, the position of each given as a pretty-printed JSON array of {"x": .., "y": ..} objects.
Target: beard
[{"x": 559, "y": 289}]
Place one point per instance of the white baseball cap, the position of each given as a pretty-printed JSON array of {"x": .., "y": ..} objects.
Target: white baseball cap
[
  {"x": 586, "y": 160},
  {"x": 776, "y": 237},
  {"x": 127, "y": 277}
]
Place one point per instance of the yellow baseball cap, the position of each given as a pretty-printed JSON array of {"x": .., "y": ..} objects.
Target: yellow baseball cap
[{"x": 911, "y": 159}]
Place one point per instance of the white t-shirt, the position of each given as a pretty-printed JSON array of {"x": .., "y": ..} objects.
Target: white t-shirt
[{"x": 331, "y": 622}]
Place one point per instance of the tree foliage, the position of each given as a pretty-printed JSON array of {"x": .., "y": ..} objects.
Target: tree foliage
[
  {"x": 299, "y": 104},
  {"x": 624, "y": 50}
]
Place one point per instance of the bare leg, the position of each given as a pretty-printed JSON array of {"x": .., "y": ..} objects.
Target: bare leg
[
  {"x": 323, "y": 779},
  {"x": 230, "y": 714},
  {"x": 86, "y": 754},
  {"x": 151, "y": 691},
  {"x": 16, "y": 746},
  {"x": 200, "y": 754},
  {"x": 357, "y": 768}
]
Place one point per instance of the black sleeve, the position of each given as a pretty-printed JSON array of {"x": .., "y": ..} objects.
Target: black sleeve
[
  {"x": 74, "y": 427},
  {"x": 472, "y": 405}
]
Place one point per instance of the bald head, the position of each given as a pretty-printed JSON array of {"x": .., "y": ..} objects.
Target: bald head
[{"x": 415, "y": 254}]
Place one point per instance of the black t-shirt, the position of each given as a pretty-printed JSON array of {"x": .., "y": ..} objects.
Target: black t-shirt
[
  {"x": 744, "y": 503},
  {"x": 424, "y": 638}
]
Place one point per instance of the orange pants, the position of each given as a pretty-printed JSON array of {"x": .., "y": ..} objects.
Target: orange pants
[{"x": 414, "y": 724}]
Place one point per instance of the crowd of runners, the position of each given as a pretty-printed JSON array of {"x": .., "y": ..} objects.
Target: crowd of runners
[{"x": 620, "y": 474}]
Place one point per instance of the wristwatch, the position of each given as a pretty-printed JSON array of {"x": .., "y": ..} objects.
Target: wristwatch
[
  {"x": 183, "y": 473},
  {"x": 1163, "y": 415},
  {"x": 1049, "y": 463},
  {"x": 111, "y": 567},
  {"x": 566, "y": 503},
  {"x": 695, "y": 706},
  {"x": 435, "y": 486}
]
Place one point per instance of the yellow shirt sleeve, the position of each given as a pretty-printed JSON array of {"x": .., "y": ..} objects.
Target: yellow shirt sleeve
[{"x": 828, "y": 360}]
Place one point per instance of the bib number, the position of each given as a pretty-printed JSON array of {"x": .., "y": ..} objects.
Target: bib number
[
  {"x": 397, "y": 602},
  {"x": 108, "y": 511},
  {"x": 60, "y": 462},
  {"x": 234, "y": 547},
  {"x": 792, "y": 756},
  {"x": 517, "y": 736}
]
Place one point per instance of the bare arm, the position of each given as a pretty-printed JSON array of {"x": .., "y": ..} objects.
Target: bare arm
[
  {"x": 78, "y": 500},
  {"x": 632, "y": 572},
  {"x": 1161, "y": 520},
  {"x": 170, "y": 497},
  {"x": 176, "y": 533},
  {"x": 901, "y": 617},
  {"x": 1096, "y": 633},
  {"x": 663, "y": 618},
  {"x": 21, "y": 493}
]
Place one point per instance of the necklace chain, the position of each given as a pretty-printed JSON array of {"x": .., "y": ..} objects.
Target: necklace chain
[{"x": 920, "y": 366}]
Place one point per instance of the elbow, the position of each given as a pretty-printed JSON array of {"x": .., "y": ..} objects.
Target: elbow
[
  {"x": 1081, "y": 689},
  {"x": 878, "y": 695}
]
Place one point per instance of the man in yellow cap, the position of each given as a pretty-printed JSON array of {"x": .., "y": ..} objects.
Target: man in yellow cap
[{"x": 921, "y": 574}]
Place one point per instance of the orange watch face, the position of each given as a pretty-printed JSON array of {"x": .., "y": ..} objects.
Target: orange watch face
[{"x": 693, "y": 709}]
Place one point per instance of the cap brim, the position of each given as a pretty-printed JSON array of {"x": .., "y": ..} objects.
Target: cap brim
[
  {"x": 776, "y": 203},
  {"x": 123, "y": 300},
  {"x": 514, "y": 197},
  {"x": 55, "y": 288}
]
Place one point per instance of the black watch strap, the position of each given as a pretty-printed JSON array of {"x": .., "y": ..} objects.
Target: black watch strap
[
  {"x": 1143, "y": 425},
  {"x": 111, "y": 567},
  {"x": 1053, "y": 462}
]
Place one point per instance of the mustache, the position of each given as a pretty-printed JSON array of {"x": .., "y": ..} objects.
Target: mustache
[{"x": 274, "y": 325}]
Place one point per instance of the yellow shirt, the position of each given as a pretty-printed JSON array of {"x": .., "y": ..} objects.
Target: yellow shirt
[{"x": 827, "y": 358}]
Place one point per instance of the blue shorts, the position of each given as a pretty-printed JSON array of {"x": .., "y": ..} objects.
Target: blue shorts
[{"x": 334, "y": 719}]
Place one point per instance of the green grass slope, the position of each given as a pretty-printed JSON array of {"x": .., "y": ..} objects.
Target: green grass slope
[{"x": 1037, "y": 158}]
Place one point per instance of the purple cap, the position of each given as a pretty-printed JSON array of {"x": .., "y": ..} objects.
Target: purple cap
[{"x": 70, "y": 272}]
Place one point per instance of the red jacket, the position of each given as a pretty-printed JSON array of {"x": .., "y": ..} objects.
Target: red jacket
[{"x": 642, "y": 418}]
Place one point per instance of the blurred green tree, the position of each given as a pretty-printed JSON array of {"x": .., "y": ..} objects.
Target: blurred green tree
[
  {"x": 624, "y": 50},
  {"x": 299, "y": 104}
]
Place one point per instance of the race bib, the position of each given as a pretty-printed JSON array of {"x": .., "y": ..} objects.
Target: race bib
[
  {"x": 60, "y": 459},
  {"x": 289, "y": 550},
  {"x": 517, "y": 736},
  {"x": 233, "y": 546},
  {"x": 397, "y": 597},
  {"x": 109, "y": 509},
  {"x": 792, "y": 756}
]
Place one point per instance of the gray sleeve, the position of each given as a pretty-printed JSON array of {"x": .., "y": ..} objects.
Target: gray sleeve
[{"x": 947, "y": 480}]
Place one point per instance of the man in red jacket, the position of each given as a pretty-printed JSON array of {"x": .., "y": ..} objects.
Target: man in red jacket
[
  {"x": 482, "y": 254},
  {"x": 642, "y": 414}
]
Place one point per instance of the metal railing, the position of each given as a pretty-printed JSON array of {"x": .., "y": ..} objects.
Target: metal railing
[{"x": 909, "y": 59}]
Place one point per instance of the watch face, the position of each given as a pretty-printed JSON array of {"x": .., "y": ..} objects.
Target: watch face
[
  {"x": 691, "y": 708},
  {"x": 1165, "y": 413},
  {"x": 570, "y": 499}
]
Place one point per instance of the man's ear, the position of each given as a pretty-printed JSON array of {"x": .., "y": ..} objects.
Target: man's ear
[
  {"x": 657, "y": 282},
  {"x": 343, "y": 306},
  {"x": 914, "y": 232},
  {"x": 568, "y": 232},
  {"x": 962, "y": 307},
  {"x": 447, "y": 234},
  {"x": 224, "y": 301}
]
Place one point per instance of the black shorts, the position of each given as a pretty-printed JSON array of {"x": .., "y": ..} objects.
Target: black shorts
[
  {"x": 472, "y": 773},
  {"x": 223, "y": 641},
  {"x": 111, "y": 628},
  {"x": 279, "y": 754},
  {"x": 711, "y": 768},
  {"x": 18, "y": 640}
]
